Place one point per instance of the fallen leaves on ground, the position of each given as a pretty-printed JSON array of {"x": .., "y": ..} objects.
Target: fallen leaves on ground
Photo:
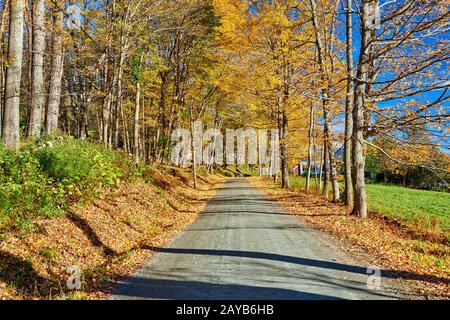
[
  {"x": 421, "y": 264},
  {"x": 107, "y": 239}
]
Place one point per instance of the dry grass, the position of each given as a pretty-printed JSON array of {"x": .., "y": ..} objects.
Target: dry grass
[
  {"x": 424, "y": 265},
  {"x": 108, "y": 239}
]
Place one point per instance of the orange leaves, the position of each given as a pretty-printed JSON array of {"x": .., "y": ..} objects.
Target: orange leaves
[
  {"x": 424, "y": 264},
  {"x": 107, "y": 239}
]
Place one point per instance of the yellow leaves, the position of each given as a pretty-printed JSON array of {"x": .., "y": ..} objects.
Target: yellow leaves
[
  {"x": 233, "y": 22},
  {"x": 125, "y": 221},
  {"x": 382, "y": 238}
]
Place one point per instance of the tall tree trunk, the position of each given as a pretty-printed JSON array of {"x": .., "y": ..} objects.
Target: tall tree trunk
[
  {"x": 326, "y": 174},
  {"x": 358, "y": 143},
  {"x": 118, "y": 105},
  {"x": 316, "y": 167},
  {"x": 11, "y": 113},
  {"x": 56, "y": 73},
  {"x": 348, "y": 195},
  {"x": 109, "y": 75},
  {"x": 137, "y": 111},
  {"x": 5, "y": 14},
  {"x": 194, "y": 155},
  {"x": 329, "y": 154},
  {"x": 144, "y": 145},
  {"x": 322, "y": 156},
  {"x": 332, "y": 161},
  {"x": 161, "y": 116},
  {"x": 28, "y": 63},
  {"x": 37, "y": 86},
  {"x": 284, "y": 152},
  {"x": 119, "y": 86},
  {"x": 333, "y": 175},
  {"x": 310, "y": 146},
  {"x": 127, "y": 143},
  {"x": 284, "y": 124},
  {"x": 106, "y": 111}
]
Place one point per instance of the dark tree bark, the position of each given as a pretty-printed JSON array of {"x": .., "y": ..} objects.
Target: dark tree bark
[{"x": 348, "y": 193}]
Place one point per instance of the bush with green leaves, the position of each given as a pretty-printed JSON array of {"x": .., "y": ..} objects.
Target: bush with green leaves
[
  {"x": 46, "y": 175},
  {"x": 25, "y": 190},
  {"x": 81, "y": 168}
]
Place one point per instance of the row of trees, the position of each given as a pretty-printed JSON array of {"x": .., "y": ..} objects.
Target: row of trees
[{"x": 323, "y": 72}]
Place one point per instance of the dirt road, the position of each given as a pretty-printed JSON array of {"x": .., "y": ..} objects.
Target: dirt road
[{"x": 245, "y": 247}]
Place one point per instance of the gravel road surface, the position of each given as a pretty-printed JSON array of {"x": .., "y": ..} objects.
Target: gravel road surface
[{"x": 245, "y": 247}]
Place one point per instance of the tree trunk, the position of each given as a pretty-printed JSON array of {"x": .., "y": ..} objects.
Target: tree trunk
[
  {"x": 316, "y": 174},
  {"x": 144, "y": 145},
  {"x": 37, "y": 86},
  {"x": 161, "y": 115},
  {"x": 126, "y": 137},
  {"x": 358, "y": 143},
  {"x": 56, "y": 73},
  {"x": 28, "y": 63},
  {"x": 333, "y": 175},
  {"x": 326, "y": 175},
  {"x": 5, "y": 14},
  {"x": 284, "y": 152},
  {"x": 118, "y": 105},
  {"x": 322, "y": 156},
  {"x": 137, "y": 111},
  {"x": 310, "y": 146},
  {"x": 194, "y": 156},
  {"x": 284, "y": 134},
  {"x": 332, "y": 162},
  {"x": 11, "y": 113},
  {"x": 348, "y": 193},
  {"x": 106, "y": 116},
  {"x": 328, "y": 154}
]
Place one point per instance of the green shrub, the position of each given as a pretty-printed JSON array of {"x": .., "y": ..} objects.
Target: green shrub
[
  {"x": 228, "y": 174},
  {"x": 80, "y": 168},
  {"x": 24, "y": 189},
  {"x": 45, "y": 175},
  {"x": 49, "y": 253}
]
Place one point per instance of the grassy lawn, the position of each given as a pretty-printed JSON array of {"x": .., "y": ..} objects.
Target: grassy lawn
[{"x": 428, "y": 210}]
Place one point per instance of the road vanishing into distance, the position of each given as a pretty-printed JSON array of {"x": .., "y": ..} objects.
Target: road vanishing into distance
[{"x": 245, "y": 247}]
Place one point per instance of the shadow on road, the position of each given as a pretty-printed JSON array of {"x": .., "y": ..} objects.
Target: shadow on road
[
  {"x": 389, "y": 274},
  {"x": 193, "y": 290}
]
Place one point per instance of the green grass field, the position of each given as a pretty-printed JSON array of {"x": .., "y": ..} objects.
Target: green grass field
[
  {"x": 428, "y": 210},
  {"x": 417, "y": 206}
]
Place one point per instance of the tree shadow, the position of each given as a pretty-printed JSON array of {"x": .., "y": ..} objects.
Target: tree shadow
[
  {"x": 390, "y": 274},
  {"x": 252, "y": 200},
  {"x": 175, "y": 208},
  {"x": 20, "y": 274},
  {"x": 322, "y": 215},
  {"x": 325, "y": 280},
  {"x": 148, "y": 288},
  {"x": 84, "y": 226},
  {"x": 211, "y": 212},
  {"x": 298, "y": 228}
]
